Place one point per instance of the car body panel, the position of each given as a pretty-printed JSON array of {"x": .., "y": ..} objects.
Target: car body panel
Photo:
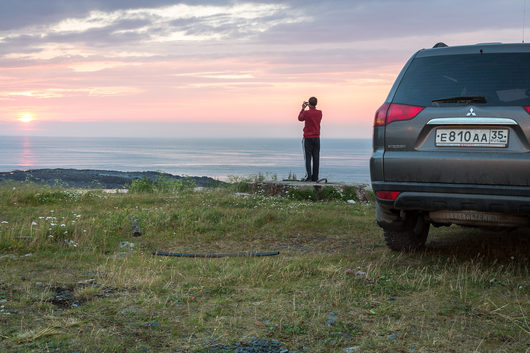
[{"x": 486, "y": 168}]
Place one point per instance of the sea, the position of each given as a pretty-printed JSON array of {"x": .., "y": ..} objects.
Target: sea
[{"x": 341, "y": 160}]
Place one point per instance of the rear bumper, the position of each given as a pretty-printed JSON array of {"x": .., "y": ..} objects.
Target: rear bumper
[
  {"x": 458, "y": 197},
  {"x": 519, "y": 205}
]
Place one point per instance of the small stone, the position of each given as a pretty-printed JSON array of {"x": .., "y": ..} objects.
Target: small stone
[
  {"x": 332, "y": 317},
  {"x": 125, "y": 244},
  {"x": 494, "y": 282},
  {"x": 152, "y": 324},
  {"x": 360, "y": 274},
  {"x": 351, "y": 349},
  {"x": 393, "y": 336},
  {"x": 129, "y": 310},
  {"x": 136, "y": 228}
]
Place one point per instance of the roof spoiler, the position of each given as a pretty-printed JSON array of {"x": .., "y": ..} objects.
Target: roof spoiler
[{"x": 440, "y": 45}]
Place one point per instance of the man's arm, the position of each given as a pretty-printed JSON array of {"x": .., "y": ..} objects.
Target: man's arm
[{"x": 301, "y": 114}]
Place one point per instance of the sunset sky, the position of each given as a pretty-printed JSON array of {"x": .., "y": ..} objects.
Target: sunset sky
[{"x": 220, "y": 68}]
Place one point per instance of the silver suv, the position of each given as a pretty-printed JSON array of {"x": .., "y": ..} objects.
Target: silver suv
[{"x": 451, "y": 143}]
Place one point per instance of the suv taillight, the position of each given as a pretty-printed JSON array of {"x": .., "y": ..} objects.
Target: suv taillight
[
  {"x": 387, "y": 195},
  {"x": 380, "y": 115},
  {"x": 527, "y": 109},
  {"x": 388, "y": 113}
]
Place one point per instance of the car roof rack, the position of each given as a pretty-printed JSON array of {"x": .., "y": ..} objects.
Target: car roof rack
[{"x": 440, "y": 45}]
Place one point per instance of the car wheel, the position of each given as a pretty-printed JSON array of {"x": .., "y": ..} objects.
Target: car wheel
[{"x": 411, "y": 236}]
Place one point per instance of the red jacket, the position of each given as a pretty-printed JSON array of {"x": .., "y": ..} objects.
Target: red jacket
[{"x": 312, "y": 118}]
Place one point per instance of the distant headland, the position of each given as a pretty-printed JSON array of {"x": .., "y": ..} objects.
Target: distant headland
[{"x": 91, "y": 178}]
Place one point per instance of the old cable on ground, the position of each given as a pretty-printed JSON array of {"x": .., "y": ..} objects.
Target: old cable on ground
[{"x": 267, "y": 253}]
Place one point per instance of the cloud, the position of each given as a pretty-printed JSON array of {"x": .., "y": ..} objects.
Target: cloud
[
  {"x": 94, "y": 66},
  {"x": 175, "y": 23},
  {"x": 16, "y": 14},
  {"x": 288, "y": 30},
  {"x": 223, "y": 75},
  {"x": 70, "y": 92}
]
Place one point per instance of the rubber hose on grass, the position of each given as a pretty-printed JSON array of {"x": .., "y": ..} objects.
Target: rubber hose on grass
[{"x": 267, "y": 253}]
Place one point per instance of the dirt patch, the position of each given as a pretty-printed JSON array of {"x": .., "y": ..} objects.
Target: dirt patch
[
  {"x": 64, "y": 298},
  {"x": 315, "y": 244},
  {"x": 471, "y": 242},
  {"x": 254, "y": 346}
]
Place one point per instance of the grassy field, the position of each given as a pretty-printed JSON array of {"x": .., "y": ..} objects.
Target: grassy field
[{"x": 73, "y": 278}]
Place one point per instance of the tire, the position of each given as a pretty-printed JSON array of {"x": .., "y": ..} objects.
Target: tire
[{"x": 411, "y": 236}]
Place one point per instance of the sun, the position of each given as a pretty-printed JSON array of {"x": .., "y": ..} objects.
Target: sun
[{"x": 25, "y": 117}]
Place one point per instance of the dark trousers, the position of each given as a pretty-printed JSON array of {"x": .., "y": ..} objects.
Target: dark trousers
[{"x": 312, "y": 152}]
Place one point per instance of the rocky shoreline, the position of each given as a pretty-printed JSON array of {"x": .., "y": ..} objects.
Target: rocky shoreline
[{"x": 93, "y": 178}]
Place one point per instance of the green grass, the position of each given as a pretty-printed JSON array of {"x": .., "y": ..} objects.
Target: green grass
[{"x": 66, "y": 283}]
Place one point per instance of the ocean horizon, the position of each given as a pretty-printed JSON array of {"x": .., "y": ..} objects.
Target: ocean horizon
[{"x": 342, "y": 160}]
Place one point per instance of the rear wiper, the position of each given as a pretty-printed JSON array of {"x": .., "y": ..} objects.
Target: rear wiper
[{"x": 464, "y": 99}]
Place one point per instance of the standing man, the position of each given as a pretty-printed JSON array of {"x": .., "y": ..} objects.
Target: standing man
[{"x": 312, "y": 118}]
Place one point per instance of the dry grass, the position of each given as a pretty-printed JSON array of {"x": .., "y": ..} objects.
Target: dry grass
[{"x": 82, "y": 289}]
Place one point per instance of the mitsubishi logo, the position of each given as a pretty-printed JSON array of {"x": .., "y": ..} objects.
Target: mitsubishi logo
[{"x": 471, "y": 112}]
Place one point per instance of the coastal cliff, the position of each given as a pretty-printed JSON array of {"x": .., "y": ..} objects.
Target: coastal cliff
[{"x": 91, "y": 178}]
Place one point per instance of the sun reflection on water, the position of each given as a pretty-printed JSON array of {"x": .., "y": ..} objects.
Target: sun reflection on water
[{"x": 26, "y": 158}]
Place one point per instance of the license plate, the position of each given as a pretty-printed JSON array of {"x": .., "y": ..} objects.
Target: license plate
[{"x": 472, "y": 137}]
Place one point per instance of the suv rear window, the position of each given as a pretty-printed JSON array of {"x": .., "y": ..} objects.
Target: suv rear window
[{"x": 503, "y": 79}]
